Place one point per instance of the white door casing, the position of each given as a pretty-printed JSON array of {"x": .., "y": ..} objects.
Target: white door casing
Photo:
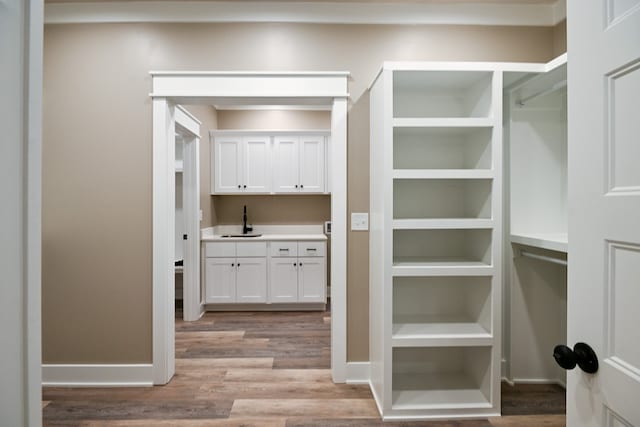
[
  {"x": 270, "y": 88},
  {"x": 604, "y": 207},
  {"x": 189, "y": 129}
]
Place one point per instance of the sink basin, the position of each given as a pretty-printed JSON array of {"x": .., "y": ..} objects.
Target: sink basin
[{"x": 241, "y": 235}]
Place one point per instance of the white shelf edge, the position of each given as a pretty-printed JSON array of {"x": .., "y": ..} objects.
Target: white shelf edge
[
  {"x": 444, "y": 122},
  {"x": 426, "y": 271},
  {"x": 442, "y": 223},
  {"x": 551, "y": 241},
  {"x": 443, "y": 174},
  {"x": 461, "y": 340}
]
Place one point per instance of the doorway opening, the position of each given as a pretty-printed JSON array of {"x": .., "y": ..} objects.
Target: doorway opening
[{"x": 328, "y": 89}]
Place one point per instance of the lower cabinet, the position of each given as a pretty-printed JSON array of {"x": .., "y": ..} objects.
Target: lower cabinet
[
  {"x": 297, "y": 272},
  {"x": 237, "y": 272},
  {"x": 239, "y": 280}
]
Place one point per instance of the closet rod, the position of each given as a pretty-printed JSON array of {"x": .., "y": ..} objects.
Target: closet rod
[
  {"x": 560, "y": 85},
  {"x": 543, "y": 258}
]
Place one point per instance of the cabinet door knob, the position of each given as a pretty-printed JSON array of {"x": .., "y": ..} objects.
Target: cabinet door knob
[
  {"x": 239, "y": 186},
  {"x": 232, "y": 265},
  {"x": 296, "y": 185},
  {"x": 301, "y": 186},
  {"x": 294, "y": 264},
  {"x": 238, "y": 264},
  {"x": 245, "y": 186}
]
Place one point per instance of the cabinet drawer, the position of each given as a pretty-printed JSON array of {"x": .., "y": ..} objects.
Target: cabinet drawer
[
  {"x": 311, "y": 249},
  {"x": 220, "y": 249},
  {"x": 284, "y": 249},
  {"x": 251, "y": 249}
]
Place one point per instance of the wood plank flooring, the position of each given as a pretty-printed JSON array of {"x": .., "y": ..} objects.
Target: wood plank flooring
[{"x": 263, "y": 369}]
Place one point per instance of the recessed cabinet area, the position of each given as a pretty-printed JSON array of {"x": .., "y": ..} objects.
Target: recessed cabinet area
[{"x": 439, "y": 132}]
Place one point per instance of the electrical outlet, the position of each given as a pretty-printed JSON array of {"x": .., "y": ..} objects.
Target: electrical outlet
[{"x": 359, "y": 221}]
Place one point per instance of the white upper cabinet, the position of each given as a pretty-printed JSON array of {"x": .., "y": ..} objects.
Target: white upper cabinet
[
  {"x": 256, "y": 165},
  {"x": 280, "y": 163},
  {"x": 285, "y": 164},
  {"x": 241, "y": 164},
  {"x": 312, "y": 164},
  {"x": 226, "y": 161}
]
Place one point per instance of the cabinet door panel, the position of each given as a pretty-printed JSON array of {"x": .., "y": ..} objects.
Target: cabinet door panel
[
  {"x": 283, "y": 280},
  {"x": 285, "y": 165},
  {"x": 311, "y": 280},
  {"x": 220, "y": 276},
  {"x": 312, "y": 164},
  {"x": 257, "y": 164},
  {"x": 228, "y": 152},
  {"x": 251, "y": 283}
]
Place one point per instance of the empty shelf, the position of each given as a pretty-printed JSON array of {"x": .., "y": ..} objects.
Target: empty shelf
[
  {"x": 443, "y": 174},
  {"x": 436, "y": 391},
  {"x": 414, "y": 334},
  {"x": 442, "y": 223},
  {"x": 475, "y": 122},
  {"x": 552, "y": 241},
  {"x": 416, "y": 266}
]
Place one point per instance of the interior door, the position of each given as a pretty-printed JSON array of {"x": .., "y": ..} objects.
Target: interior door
[{"x": 604, "y": 209}]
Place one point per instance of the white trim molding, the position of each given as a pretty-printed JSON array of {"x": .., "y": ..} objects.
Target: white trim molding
[
  {"x": 125, "y": 375},
  {"x": 358, "y": 372},
  {"x": 313, "y": 12}
]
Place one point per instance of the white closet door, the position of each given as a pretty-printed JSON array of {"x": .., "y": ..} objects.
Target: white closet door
[
  {"x": 312, "y": 164},
  {"x": 285, "y": 165},
  {"x": 604, "y": 207}
]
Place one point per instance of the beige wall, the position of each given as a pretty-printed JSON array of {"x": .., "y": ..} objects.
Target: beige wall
[
  {"x": 274, "y": 119},
  {"x": 560, "y": 38},
  {"x": 97, "y": 154}
]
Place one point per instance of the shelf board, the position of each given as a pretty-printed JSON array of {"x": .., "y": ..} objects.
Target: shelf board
[
  {"x": 442, "y": 223},
  {"x": 436, "y": 391},
  {"x": 443, "y": 174},
  {"x": 416, "y": 266},
  {"x": 551, "y": 241},
  {"x": 444, "y": 122},
  {"x": 409, "y": 332}
]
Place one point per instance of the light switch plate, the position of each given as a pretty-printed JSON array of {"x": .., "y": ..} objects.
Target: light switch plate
[{"x": 359, "y": 221}]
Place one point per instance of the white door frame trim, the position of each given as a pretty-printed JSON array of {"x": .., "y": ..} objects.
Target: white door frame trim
[
  {"x": 189, "y": 127},
  {"x": 242, "y": 88}
]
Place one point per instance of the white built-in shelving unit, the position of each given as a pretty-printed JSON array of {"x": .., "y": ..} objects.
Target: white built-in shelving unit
[{"x": 435, "y": 241}]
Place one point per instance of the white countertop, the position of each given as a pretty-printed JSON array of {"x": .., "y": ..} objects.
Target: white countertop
[{"x": 267, "y": 233}]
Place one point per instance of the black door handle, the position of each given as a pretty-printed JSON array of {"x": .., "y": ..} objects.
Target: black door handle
[{"x": 581, "y": 355}]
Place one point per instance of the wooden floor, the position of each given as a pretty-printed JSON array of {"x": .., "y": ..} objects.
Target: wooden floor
[{"x": 263, "y": 369}]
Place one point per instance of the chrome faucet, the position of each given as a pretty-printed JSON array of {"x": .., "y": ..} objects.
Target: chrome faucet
[{"x": 245, "y": 229}]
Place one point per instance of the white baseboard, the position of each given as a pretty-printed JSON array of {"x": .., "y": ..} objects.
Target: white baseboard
[
  {"x": 97, "y": 375},
  {"x": 358, "y": 372}
]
